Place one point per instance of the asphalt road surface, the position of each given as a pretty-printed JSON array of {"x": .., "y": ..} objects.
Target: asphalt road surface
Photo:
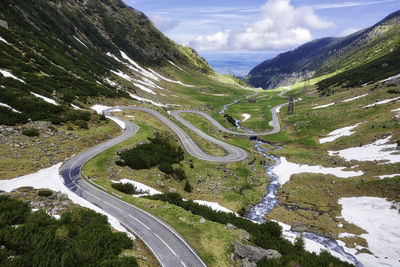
[{"x": 168, "y": 246}]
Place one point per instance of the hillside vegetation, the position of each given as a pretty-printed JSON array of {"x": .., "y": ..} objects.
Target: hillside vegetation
[
  {"x": 61, "y": 50},
  {"x": 330, "y": 55}
]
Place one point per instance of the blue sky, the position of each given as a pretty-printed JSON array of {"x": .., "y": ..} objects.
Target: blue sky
[{"x": 258, "y": 28}]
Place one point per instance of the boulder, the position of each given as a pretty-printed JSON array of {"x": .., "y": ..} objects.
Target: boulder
[
  {"x": 254, "y": 254},
  {"x": 247, "y": 263},
  {"x": 298, "y": 227}
]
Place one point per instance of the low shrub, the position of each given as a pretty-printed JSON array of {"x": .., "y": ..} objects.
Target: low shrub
[
  {"x": 31, "y": 132},
  {"x": 45, "y": 193},
  {"x": 126, "y": 188},
  {"x": 166, "y": 168},
  {"x": 188, "y": 188}
]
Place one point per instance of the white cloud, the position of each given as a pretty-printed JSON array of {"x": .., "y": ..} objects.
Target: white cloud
[
  {"x": 162, "y": 23},
  {"x": 280, "y": 26},
  {"x": 349, "y": 4}
]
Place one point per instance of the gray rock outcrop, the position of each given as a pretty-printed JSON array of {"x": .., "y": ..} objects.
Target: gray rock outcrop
[{"x": 251, "y": 255}]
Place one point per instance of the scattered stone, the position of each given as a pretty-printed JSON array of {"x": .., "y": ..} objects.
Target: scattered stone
[
  {"x": 230, "y": 226},
  {"x": 298, "y": 227},
  {"x": 172, "y": 190},
  {"x": 202, "y": 220}
]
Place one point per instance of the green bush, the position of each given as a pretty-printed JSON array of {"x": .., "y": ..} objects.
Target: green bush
[
  {"x": 31, "y": 132},
  {"x": 179, "y": 174},
  {"x": 166, "y": 168},
  {"x": 230, "y": 119},
  {"x": 45, "y": 193},
  {"x": 188, "y": 188},
  {"x": 158, "y": 151},
  {"x": 126, "y": 188}
]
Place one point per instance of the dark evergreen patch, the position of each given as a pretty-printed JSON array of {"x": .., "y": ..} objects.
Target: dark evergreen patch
[
  {"x": 159, "y": 151},
  {"x": 80, "y": 238},
  {"x": 126, "y": 188}
]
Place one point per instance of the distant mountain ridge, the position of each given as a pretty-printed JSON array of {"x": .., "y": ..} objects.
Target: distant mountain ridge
[{"x": 328, "y": 55}]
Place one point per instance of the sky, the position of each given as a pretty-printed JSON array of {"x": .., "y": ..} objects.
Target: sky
[{"x": 236, "y": 35}]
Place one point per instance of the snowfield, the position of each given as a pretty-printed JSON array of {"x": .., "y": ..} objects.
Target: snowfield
[
  {"x": 246, "y": 116},
  {"x": 353, "y": 98},
  {"x": 309, "y": 245},
  {"x": 9, "y": 75},
  {"x": 9, "y": 107},
  {"x": 286, "y": 169},
  {"x": 48, "y": 100},
  {"x": 379, "y": 150},
  {"x": 324, "y": 106},
  {"x": 50, "y": 178},
  {"x": 381, "y": 219},
  {"x": 345, "y": 131}
]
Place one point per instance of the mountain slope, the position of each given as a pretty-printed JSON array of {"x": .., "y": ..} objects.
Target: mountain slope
[
  {"x": 58, "y": 49},
  {"x": 329, "y": 55}
]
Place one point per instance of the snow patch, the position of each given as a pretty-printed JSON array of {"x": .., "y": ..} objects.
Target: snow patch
[
  {"x": 3, "y": 40},
  {"x": 146, "y": 100},
  {"x": 79, "y": 41},
  {"x": 75, "y": 107},
  {"x": 324, "y": 106},
  {"x": 213, "y": 205},
  {"x": 278, "y": 109},
  {"x": 379, "y": 150},
  {"x": 391, "y": 78},
  {"x": 137, "y": 67},
  {"x": 51, "y": 179},
  {"x": 9, "y": 75},
  {"x": 9, "y": 107},
  {"x": 120, "y": 123},
  {"x": 111, "y": 82},
  {"x": 354, "y": 98},
  {"x": 129, "y": 79},
  {"x": 99, "y": 108},
  {"x": 388, "y": 176},
  {"x": 149, "y": 190},
  {"x": 144, "y": 88},
  {"x": 381, "y": 221},
  {"x": 286, "y": 169},
  {"x": 383, "y": 102},
  {"x": 173, "y": 64},
  {"x": 246, "y": 116},
  {"x": 345, "y": 131},
  {"x": 48, "y": 100},
  {"x": 169, "y": 80}
]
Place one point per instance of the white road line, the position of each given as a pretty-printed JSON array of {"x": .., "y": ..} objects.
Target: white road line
[
  {"x": 165, "y": 244},
  {"x": 184, "y": 265},
  {"x": 145, "y": 226}
]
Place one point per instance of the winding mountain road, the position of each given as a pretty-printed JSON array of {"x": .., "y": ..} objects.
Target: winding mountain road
[{"x": 168, "y": 246}]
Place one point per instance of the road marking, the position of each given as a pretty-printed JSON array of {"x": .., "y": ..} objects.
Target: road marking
[
  {"x": 184, "y": 265},
  {"x": 140, "y": 222},
  {"x": 165, "y": 244}
]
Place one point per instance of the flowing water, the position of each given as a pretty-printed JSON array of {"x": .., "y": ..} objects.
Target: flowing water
[{"x": 270, "y": 200}]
